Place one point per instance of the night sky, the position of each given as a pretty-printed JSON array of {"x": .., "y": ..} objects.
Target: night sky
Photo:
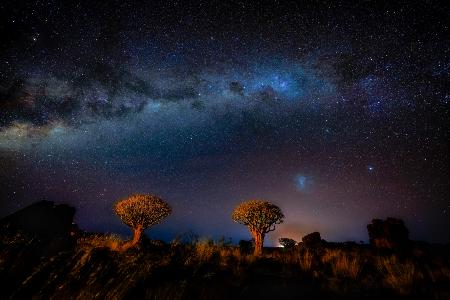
[{"x": 337, "y": 112}]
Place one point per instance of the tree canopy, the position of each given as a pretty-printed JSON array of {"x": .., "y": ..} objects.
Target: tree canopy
[
  {"x": 141, "y": 209},
  {"x": 258, "y": 215}
]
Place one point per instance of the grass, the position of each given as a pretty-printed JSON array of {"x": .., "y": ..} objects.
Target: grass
[
  {"x": 111, "y": 241},
  {"x": 347, "y": 264},
  {"x": 202, "y": 267},
  {"x": 398, "y": 275}
]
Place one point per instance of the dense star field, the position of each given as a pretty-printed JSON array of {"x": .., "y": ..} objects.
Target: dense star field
[{"x": 336, "y": 112}]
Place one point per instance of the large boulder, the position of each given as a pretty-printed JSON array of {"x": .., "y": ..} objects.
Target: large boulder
[
  {"x": 246, "y": 246},
  {"x": 43, "y": 220},
  {"x": 312, "y": 240},
  {"x": 388, "y": 234}
]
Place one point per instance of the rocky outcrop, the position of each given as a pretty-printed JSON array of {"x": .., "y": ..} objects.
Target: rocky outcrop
[
  {"x": 388, "y": 234},
  {"x": 312, "y": 240},
  {"x": 43, "y": 220}
]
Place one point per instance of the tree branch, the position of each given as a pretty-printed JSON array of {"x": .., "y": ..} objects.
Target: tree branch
[{"x": 270, "y": 228}]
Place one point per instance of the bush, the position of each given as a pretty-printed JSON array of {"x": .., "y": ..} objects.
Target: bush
[{"x": 287, "y": 243}]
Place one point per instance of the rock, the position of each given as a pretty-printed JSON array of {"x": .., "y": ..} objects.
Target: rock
[
  {"x": 246, "y": 246},
  {"x": 312, "y": 239},
  {"x": 388, "y": 234},
  {"x": 43, "y": 220}
]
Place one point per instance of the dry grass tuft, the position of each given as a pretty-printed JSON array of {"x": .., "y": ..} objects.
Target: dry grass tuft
[
  {"x": 205, "y": 250},
  {"x": 398, "y": 275},
  {"x": 306, "y": 260},
  {"x": 111, "y": 241},
  {"x": 346, "y": 264}
]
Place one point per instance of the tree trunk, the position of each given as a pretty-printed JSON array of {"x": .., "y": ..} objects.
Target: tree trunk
[
  {"x": 259, "y": 241},
  {"x": 137, "y": 233}
]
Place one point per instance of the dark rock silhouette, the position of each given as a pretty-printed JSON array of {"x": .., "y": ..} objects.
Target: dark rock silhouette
[
  {"x": 246, "y": 246},
  {"x": 312, "y": 240},
  {"x": 388, "y": 234},
  {"x": 43, "y": 220}
]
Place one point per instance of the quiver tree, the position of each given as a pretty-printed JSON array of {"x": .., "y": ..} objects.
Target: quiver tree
[
  {"x": 260, "y": 217},
  {"x": 140, "y": 211}
]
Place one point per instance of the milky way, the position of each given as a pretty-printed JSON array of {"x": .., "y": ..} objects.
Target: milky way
[{"x": 338, "y": 114}]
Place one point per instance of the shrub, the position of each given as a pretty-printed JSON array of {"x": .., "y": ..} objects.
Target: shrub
[{"x": 287, "y": 243}]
